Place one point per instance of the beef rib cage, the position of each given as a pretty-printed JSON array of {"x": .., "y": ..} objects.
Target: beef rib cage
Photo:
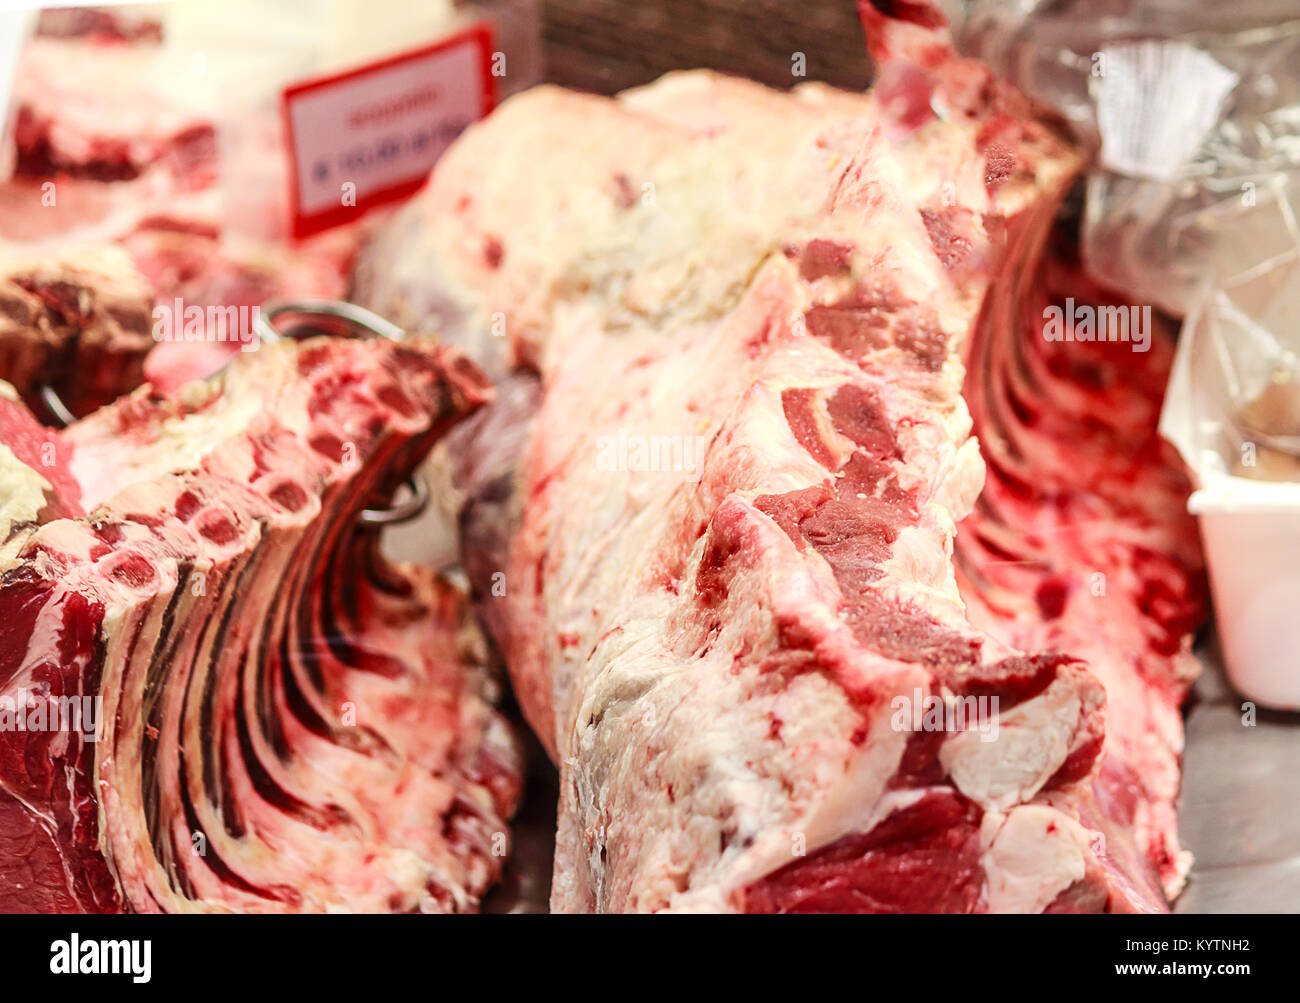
[
  {"x": 711, "y": 519},
  {"x": 286, "y": 721}
]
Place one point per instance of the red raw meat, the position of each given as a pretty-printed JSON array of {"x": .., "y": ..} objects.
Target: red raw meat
[
  {"x": 272, "y": 716},
  {"x": 1081, "y": 542},
  {"x": 116, "y": 146},
  {"x": 712, "y": 519},
  {"x": 79, "y": 322},
  {"x": 109, "y": 111}
]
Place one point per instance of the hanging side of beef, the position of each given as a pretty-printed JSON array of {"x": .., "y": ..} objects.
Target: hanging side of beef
[
  {"x": 285, "y": 720},
  {"x": 737, "y": 493}
]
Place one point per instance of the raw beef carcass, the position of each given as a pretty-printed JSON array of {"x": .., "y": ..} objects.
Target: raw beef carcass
[
  {"x": 214, "y": 693},
  {"x": 99, "y": 24},
  {"x": 78, "y": 322},
  {"x": 191, "y": 266},
  {"x": 711, "y": 518}
]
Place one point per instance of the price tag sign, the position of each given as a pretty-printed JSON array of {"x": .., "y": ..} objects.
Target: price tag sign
[{"x": 372, "y": 134}]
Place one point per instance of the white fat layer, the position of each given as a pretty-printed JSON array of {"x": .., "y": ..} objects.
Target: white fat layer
[
  {"x": 22, "y": 491},
  {"x": 1035, "y": 853},
  {"x": 705, "y": 740},
  {"x": 998, "y": 769}
]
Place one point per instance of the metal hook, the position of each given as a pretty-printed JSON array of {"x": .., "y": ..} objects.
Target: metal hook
[
  {"x": 400, "y": 511},
  {"x": 371, "y": 323},
  {"x": 368, "y": 324},
  {"x": 62, "y": 413}
]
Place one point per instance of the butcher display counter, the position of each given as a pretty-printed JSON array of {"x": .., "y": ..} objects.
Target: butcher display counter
[{"x": 757, "y": 435}]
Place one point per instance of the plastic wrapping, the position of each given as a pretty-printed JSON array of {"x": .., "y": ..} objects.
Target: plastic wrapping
[
  {"x": 1192, "y": 205},
  {"x": 1195, "y": 109}
]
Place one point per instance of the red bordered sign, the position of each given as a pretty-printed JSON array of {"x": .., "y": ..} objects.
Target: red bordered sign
[{"x": 371, "y": 135}]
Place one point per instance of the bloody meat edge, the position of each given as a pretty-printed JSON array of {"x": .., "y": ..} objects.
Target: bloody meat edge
[
  {"x": 286, "y": 721},
  {"x": 711, "y": 520}
]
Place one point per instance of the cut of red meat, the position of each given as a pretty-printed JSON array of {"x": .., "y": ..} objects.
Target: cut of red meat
[
  {"x": 33, "y": 448},
  {"x": 96, "y": 321},
  {"x": 924, "y": 858},
  {"x": 712, "y": 532},
  {"x": 215, "y": 694},
  {"x": 192, "y": 267},
  {"x": 99, "y": 24},
  {"x": 80, "y": 323}
]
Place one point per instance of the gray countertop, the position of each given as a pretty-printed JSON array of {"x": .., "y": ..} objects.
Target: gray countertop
[{"x": 1241, "y": 802}]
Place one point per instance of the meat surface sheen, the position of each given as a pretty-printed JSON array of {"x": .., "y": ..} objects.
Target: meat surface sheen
[
  {"x": 712, "y": 523},
  {"x": 214, "y": 693}
]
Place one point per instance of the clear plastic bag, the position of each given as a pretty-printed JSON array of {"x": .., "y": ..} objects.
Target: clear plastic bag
[
  {"x": 1195, "y": 110},
  {"x": 1192, "y": 205},
  {"x": 1193, "y": 198}
]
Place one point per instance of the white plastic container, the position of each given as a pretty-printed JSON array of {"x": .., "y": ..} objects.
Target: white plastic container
[
  {"x": 1252, "y": 548},
  {"x": 1250, "y": 528}
]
